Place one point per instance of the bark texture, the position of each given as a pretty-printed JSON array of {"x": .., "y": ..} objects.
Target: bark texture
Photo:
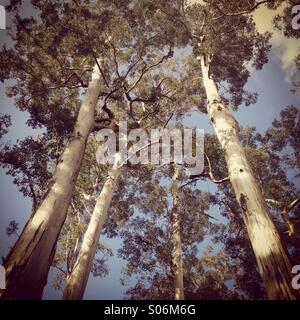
[
  {"x": 28, "y": 263},
  {"x": 77, "y": 281},
  {"x": 273, "y": 261},
  {"x": 177, "y": 246}
]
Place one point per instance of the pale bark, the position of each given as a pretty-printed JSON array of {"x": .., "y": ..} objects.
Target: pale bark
[
  {"x": 77, "y": 280},
  {"x": 28, "y": 263},
  {"x": 176, "y": 237},
  {"x": 273, "y": 261}
]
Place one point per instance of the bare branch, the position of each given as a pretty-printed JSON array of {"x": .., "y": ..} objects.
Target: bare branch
[
  {"x": 293, "y": 204},
  {"x": 274, "y": 202},
  {"x": 60, "y": 269},
  {"x": 108, "y": 111},
  {"x": 231, "y": 14},
  {"x": 189, "y": 182},
  {"x": 135, "y": 63},
  {"x": 146, "y": 69},
  {"x": 285, "y": 209},
  {"x": 209, "y": 174},
  {"x": 281, "y": 205},
  {"x": 115, "y": 55}
]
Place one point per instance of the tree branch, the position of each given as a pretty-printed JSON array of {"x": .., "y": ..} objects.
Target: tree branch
[
  {"x": 95, "y": 57},
  {"x": 209, "y": 174},
  {"x": 281, "y": 205},
  {"x": 293, "y": 204},
  {"x": 60, "y": 269},
  {"x": 70, "y": 76},
  {"x": 274, "y": 202},
  {"x": 115, "y": 55},
  {"x": 241, "y": 12},
  {"x": 146, "y": 69}
]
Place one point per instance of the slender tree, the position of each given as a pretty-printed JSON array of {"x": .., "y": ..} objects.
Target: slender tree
[
  {"x": 39, "y": 237},
  {"x": 148, "y": 243},
  {"x": 77, "y": 281},
  {"x": 28, "y": 262},
  {"x": 177, "y": 246}
]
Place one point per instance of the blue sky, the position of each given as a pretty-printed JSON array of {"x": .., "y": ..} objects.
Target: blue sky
[{"x": 273, "y": 87}]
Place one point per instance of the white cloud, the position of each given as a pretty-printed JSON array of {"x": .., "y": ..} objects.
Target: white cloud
[{"x": 286, "y": 49}]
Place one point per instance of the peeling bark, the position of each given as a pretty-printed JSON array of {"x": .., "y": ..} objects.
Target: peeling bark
[
  {"x": 28, "y": 263},
  {"x": 77, "y": 280},
  {"x": 273, "y": 261},
  {"x": 177, "y": 246}
]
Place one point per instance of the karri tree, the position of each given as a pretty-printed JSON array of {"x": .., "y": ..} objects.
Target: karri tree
[
  {"x": 225, "y": 41},
  {"x": 270, "y": 163},
  {"x": 59, "y": 64}
]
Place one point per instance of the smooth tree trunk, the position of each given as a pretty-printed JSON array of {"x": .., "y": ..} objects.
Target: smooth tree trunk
[
  {"x": 273, "y": 261},
  {"x": 176, "y": 236},
  {"x": 28, "y": 262},
  {"x": 77, "y": 280}
]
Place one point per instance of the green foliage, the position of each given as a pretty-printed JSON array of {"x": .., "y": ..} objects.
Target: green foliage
[
  {"x": 30, "y": 162},
  {"x": 231, "y": 42},
  {"x": 148, "y": 61},
  {"x": 282, "y": 21},
  {"x": 12, "y": 228},
  {"x": 5, "y": 122}
]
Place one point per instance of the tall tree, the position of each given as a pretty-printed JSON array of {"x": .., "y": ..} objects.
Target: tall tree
[
  {"x": 90, "y": 184},
  {"x": 54, "y": 57},
  {"x": 236, "y": 29},
  {"x": 28, "y": 262},
  {"x": 274, "y": 172}
]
